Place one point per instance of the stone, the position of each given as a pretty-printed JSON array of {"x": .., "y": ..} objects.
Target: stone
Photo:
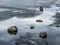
[
  {"x": 12, "y": 30},
  {"x": 32, "y": 27},
  {"x": 39, "y": 20},
  {"x": 41, "y": 8},
  {"x": 43, "y": 34}
]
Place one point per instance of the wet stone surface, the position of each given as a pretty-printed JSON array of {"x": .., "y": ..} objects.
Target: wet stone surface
[
  {"x": 43, "y": 34},
  {"x": 13, "y": 30}
]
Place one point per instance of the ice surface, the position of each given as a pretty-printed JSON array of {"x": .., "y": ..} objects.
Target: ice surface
[
  {"x": 25, "y": 3},
  {"x": 24, "y": 24}
]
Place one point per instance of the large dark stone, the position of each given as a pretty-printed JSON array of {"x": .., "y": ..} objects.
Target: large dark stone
[
  {"x": 12, "y": 30},
  {"x": 43, "y": 34}
]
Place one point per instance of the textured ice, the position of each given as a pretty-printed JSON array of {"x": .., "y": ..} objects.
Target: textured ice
[{"x": 24, "y": 24}]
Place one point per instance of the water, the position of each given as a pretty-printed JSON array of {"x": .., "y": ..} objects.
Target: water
[{"x": 23, "y": 18}]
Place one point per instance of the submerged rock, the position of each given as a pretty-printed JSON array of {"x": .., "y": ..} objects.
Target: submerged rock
[
  {"x": 32, "y": 27},
  {"x": 12, "y": 30},
  {"x": 43, "y": 34},
  {"x": 39, "y": 20}
]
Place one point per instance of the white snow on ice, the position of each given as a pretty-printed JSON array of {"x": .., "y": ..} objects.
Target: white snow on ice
[{"x": 24, "y": 24}]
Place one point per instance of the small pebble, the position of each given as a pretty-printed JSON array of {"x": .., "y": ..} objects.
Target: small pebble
[{"x": 43, "y": 34}]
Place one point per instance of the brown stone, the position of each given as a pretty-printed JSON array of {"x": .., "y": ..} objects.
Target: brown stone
[
  {"x": 39, "y": 20},
  {"x": 43, "y": 34}
]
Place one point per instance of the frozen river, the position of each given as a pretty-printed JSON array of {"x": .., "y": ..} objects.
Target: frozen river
[{"x": 11, "y": 14}]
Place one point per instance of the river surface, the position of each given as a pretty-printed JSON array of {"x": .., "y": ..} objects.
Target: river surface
[{"x": 23, "y": 18}]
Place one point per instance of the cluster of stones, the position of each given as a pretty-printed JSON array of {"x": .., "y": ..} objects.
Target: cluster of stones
[{"x": 13, "y": 29}]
